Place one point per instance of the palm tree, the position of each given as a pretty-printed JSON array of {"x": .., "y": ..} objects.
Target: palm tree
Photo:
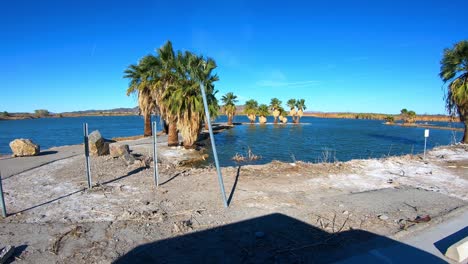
[
  {"x": 300, "y": 104},
  {"x": 292, "y": 106},
  {"x": 283, "y": 115},
  {"x": 166, "y": 81},
  {"x": 229, "y": 101},
  {"x": 263, "y": 112},
  {"x": 139, "y": 84},
  {"x": 408, "y": 117},
  {"x": 454, "y": 71},
  {"x": 275, "y": 105},
  {"x": 251, "y": 108},
  {"x": 184, "y": 98}
]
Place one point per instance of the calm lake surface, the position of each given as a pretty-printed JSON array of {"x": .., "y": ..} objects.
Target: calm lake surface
[{"x": 314, "y": 140}]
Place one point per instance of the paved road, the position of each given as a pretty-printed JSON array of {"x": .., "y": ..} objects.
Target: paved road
[
  {"x": 425, "y": 246},
  {"x": 11, "y": 166}
]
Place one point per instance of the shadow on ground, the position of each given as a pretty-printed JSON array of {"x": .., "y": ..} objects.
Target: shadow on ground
[{"x": 274, "y": 238}]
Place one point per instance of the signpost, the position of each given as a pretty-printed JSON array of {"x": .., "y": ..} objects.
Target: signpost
[
  {"x": 213, "y": 145},
  {"x": 86, "y": 146},
  {"x": 426, "y": 135},
  {"x": 155, "y": 155}
]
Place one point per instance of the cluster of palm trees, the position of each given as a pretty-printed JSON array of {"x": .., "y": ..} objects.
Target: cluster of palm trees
[
  {"x": 168, "y": 83},
  {"x": 252, "y": 109},
  {"x": 408, "y": 117}
]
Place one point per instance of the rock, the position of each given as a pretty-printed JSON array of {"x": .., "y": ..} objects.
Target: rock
[
  {"x": 117, "y": 150},
  {"x": 97, "y": 145},
  {"x": 128, "y": 159},
  {"x": 383, "y": 217},
  {"x": 24, "y": 147}
]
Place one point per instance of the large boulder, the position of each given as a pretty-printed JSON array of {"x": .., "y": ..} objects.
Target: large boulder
[
  {"x": 24, "y": 147},
  {"x": 97, "y": 144},
  {"x": 117, "y": 150}
]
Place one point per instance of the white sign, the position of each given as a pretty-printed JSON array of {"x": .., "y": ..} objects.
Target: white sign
[{"x": 426, "y": 133}]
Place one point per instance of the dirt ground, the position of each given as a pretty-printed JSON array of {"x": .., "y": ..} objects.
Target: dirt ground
[{"x": 278, "y": 212}]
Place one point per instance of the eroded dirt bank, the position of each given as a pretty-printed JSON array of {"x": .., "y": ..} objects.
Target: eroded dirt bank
[{"x": 304, "y": 208}]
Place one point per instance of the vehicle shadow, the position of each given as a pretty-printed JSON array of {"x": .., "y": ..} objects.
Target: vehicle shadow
[{"x": 274, "y": 238}]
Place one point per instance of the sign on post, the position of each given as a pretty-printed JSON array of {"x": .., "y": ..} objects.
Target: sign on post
[{"x": 426, "y": 135}]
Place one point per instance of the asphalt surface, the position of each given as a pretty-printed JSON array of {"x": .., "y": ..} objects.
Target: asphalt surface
[{"x": 426, "y": 246}]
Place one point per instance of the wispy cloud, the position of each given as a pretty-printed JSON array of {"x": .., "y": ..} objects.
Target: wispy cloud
[{"x": 299, "y": 84}]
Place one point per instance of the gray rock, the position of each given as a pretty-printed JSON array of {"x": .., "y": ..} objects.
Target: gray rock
[
  {"x": 97, "y": 145},
  {"x": 383, "y": 217},
  {"x": 128, "y": 159},
  {"x": 117, "y": 150},
  {"x": 24, "y": 147}
]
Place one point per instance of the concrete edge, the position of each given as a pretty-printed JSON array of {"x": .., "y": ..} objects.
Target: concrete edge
[{"x": 434, "y": 220}]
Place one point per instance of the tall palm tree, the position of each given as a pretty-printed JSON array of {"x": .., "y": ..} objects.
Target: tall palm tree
[
  {"x": 292, "y": 106},
  {"x": 168, "y": 79},
  {"x": 263, "y": 112},
  {"x": 184, "y": 97},
  {"x": 300, "y": 104},
  {"x": 139, "y": 84},
  {"x": 251, "y": 108},
  {"x": 454, "y": 71},
  {"x": 229, "y": 100},
  {"x": 275, "y": 105}
]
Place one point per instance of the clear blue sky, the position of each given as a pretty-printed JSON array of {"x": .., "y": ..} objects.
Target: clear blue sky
[{"x": 358, "y": 56}]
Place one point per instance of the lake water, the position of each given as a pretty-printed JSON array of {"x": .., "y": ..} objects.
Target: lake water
[{"x": 314, "y": 140}]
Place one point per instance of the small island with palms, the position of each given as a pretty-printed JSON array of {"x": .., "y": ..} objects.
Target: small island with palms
[{"x": 237, "y": 141}]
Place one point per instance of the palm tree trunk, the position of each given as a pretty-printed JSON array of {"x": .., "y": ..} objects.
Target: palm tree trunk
[
  {"x": 165, "y": 127},
  {"x": 229, "y": 120},
  {"x": 465, "y": 135},
  {"x": 172, "y": 136},
  {"x": 147, "y": 132}
]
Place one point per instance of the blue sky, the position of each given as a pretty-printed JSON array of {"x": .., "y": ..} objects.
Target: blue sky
[{"x": 357, "y": 56}]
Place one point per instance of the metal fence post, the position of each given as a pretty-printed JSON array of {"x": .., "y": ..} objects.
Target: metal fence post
[
  {"x": 213, "y": 145},
  {"x": 4, "y": 212},
  {"x": 155, "y": 155},
  {"x": 86, "y": 146}
]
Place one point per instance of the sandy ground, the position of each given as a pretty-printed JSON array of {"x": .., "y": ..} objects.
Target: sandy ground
[{"x": 55, "y": 219}]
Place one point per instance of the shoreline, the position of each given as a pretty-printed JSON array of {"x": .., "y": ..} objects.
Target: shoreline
[{"x": 426, "y": 126}]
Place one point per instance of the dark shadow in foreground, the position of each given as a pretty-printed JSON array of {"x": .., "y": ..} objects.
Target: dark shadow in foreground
[{"x": 274, "y": 238}]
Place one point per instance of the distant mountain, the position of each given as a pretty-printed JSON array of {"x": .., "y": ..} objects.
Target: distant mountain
[{"x": 109, "y": 111}]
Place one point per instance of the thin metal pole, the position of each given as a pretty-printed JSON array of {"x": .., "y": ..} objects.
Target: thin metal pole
[
  {"x": 86, "y": 146},
  {"x": 213, "y": 145},
  {"x": 425, "y": 142},
  {"x": 155, "y": 155},
  {"x": 4, "y": 212}
]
